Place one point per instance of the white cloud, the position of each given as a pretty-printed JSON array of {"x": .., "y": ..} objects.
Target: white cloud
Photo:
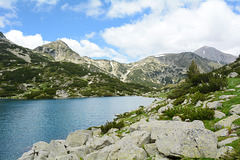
[
  {"x": 31, "y": 41},
  {"x": 182, "y": 27},
  {"x": 91, "y": 8},
  {"x": 90, "y": 35},
  {"x": 87, "y": 48},
  {"x": 45, "y": 2},
  {"x": 7, "y": 4}
]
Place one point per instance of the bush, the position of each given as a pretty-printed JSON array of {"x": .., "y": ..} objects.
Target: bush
[
  {"x": 105, "y": 128},
  {"x": 179, "y": 100},
  {"x": 198, "y": 97},
  {"x": 190, "y": 113},
  {"x": 180, "y": 91}
]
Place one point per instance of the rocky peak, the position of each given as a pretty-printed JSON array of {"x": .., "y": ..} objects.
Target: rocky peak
[
  {"x": 2, "y": 35},
  {"x": 59, "y": 50},
  {"x": 212, "y": 53}
]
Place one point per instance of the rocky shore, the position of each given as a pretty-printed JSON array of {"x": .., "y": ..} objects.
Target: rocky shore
[{"x": 145, "y": 136}]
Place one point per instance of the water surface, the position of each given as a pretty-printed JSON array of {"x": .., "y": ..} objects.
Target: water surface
[{"x": 24, "y": 122}]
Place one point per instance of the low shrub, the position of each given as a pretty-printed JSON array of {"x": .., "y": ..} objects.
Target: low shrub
[
  {"x": 105, "y": 128},
  {"x": 190, "y": 113},
  {"x": 179, "y": 100},
  {"x": 198, "y": 97}
]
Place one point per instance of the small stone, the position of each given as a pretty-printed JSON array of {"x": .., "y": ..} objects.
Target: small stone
[
  {"x": 227, "y": 122},
  {"x": 227, "y": 96},
  {"x": 219, "y": 114},
  {"x": 222, "y": 133},
  {"x": 199, "y": 103},
  {"x": 238, "y": 86},
  {"x": 232, "y": 75},
  {"x": 176, "y": 118},
  {"x": 227, "y": 141},
  {"x": 214, "y": 105},
  {"x": 235, "y": 109},
  {"x": 187, "y": 120},
  {"x": 230, "y": 90}
]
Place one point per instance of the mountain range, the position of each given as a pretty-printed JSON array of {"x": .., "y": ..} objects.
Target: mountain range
[
  {"x": 152, "y": 70},
  {"x": 57, "y": 56}
]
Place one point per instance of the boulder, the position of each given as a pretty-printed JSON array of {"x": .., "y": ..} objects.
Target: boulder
[
  {"x": 219, "y": 114},
  {"x": 227, "y": 141},
  {"x": 78, "y": 138},
  {"x": 222, "y": 133},
  {"x": 235, "y": 109},
  {"x": 56, "y": 148},
  {"x": 67, "y": 157},
  {"x": 227, "y": 122},
  {"x": 129, "y": 151},
  {"x": 232, "y": 75},
  {"x": 96, "y": 132},
  {"x": 191, "y": 139},
  {"x": 214, "y": 105},
  {"x": 161, "y": 157},
  {"x": 79, "y": 151},
  {"x": 134, "y": 126},
  {"x": 199, "y": 103},
  {"x": 41, "y": 149},
  {"x": 27, "y": 155},
  {"x": 227, "y": 96},
  {"x": 163, "y": 109},
  {"x": 91, "y": 156},
  {"x": 151, "y": 149},
  {"x": 100, "y": 142},
  {"x": 224, "y": 150}
]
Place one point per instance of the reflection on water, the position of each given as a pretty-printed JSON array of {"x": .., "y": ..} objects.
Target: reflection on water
[{"x": 24, "y": 122}]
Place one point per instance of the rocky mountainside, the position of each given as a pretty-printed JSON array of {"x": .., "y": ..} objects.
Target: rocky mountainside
[
  {"x": 215, "y": 55},
  {"x": 32, "y": 75},
  {"x": 152, "y": 71}
]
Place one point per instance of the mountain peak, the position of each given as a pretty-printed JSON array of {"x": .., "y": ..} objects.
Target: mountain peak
[
  {"x": 2, "y": 35},
  {"x": 212, "y": 53},
  {"x": 59, "y": 50}
]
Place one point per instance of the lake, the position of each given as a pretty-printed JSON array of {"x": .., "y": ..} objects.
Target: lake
[{"x": 25, "y": 122}]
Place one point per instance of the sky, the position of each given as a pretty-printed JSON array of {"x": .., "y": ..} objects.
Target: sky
[{"x": 124, "y": 30}]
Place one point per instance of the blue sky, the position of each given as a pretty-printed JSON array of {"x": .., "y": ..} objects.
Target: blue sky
[{"x": 124, "y": 30}]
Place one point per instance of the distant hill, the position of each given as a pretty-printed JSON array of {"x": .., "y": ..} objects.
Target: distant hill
[{"x": 215, "y": 55}]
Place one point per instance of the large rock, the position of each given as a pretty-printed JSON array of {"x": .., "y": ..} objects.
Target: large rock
[
  {"x": 227, "y": 122},
  {"x": 67, "y": 157},
  {"x": 56, "y": 148},
  {"x": 27, "y": 155},
  {"x": 79, "y": 151},
  {"x": 235, "y": 109},
  {"x": 100, "y": 142},
  {"x": 129, "y": 151},
  {"x": 78, "y": 138},
  {"x": 191, "y": 139},
  {"x": 151, "y": 149},
  {"x": 227, "y": 141},
  {"x": 164, "y": 108},
  {"x": 219, "y": 114},
  {"x": 135, "y": 126},
  {"x": 214, "y": 105}
]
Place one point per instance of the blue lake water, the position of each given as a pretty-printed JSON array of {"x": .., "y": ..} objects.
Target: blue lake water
[{"x": 25, "y": 122}]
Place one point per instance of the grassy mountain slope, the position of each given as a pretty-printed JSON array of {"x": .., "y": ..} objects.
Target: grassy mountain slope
[{"x": 28, "y": 74}]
